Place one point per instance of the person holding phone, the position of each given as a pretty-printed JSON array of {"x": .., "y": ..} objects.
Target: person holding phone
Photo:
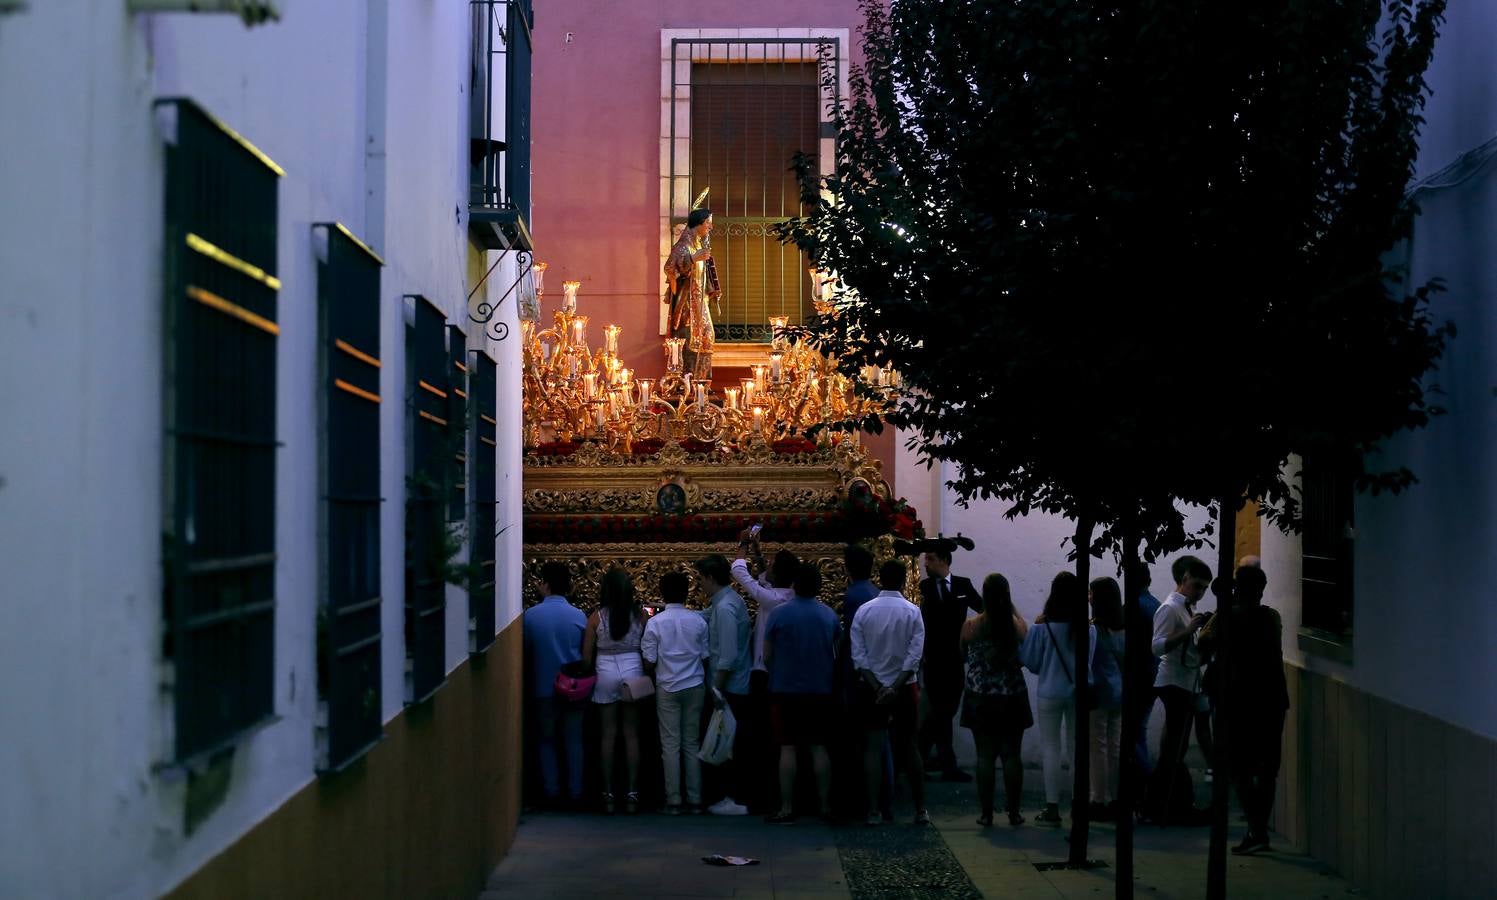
[
  {"x": 1172, "y": 796},
  {"x": 771, "y": 590}
]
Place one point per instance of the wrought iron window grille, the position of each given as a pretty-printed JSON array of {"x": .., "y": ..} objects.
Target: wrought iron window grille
[
  {"x": 457, "y": 423},
  {"x": 349, "y": 715},
  {"x": 219, "y": 466},
  {"x": 484, "y": 472},
  {"x": 428, "y": 547},
  {"x": 1328, "y": 542}
]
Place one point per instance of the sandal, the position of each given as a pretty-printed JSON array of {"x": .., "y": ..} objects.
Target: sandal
[
  {"x": 607, "y": 803},
  {"x": 631, "y": 802}
]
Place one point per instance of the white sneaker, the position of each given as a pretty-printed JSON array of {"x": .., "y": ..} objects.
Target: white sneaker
[{"x": 726, "y": 807}]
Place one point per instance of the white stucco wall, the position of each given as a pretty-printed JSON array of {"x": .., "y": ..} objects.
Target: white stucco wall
[
  {"x": 1425, "y": 561},
  {"x": 83, "y": 810}
]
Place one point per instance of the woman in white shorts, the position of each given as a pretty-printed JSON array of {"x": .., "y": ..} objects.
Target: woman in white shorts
[{"x": 611, "y": 643}]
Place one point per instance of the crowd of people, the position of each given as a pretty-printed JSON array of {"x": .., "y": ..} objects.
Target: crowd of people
[{"x": 828, "y": 704}]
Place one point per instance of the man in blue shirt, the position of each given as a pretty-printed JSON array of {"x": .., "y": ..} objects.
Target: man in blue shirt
[
  {"x": 729, "y": 661},
  {"x": 800, "y": 651},
  {"x": 553, "y": 630}
]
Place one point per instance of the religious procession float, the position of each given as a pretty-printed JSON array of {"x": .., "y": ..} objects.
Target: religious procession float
[{"x": 650, "y": 474}]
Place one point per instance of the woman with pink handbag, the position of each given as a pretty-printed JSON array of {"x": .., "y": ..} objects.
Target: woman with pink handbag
[{"x": 611, "y": 645}]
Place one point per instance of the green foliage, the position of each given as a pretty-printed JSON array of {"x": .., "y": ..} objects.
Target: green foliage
[{"x": 1126, "y": 253}]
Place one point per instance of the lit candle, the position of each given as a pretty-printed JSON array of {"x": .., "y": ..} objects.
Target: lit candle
[
  {"x": 760, "y": 372},
  {"x": 579, "y": 330},
  {"x": 748, "y": 391},
  {"x": 731, "y": 397},
  {"x": 673, "y": 354},
  {"x": 539, "y": 274},
  {"x": 626, "y": 393},
  {"x": 599, "y": 415},
  {"x": 701, "y": 395},
  {"x": 645, "y": 384},
  {"x": 777, "y": 326},
  {"x": 625, "y": 375},
  {"x": 572, "y": 365},
  {"x": 569, "y": 300},
  {"x": 776, "y": 366},
  {"x": 589, "y": 385},
  {"x": 758, "y": 418},
  {"x": 611, "y": 339}
]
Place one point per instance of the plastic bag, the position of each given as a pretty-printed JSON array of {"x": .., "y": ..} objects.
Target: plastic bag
[{"x": 717, "y": 743}]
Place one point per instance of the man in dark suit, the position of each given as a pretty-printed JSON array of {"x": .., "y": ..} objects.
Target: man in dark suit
[{"x": 944, "y": 601}]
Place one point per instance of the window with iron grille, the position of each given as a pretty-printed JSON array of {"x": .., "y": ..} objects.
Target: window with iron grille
[
  {"x": 485, "y": 503},
  {"x": 1327, "y": 544},
  {"x": 348, "y": 618},
  {"x": 457, "y": 425},
  {"x": 753, "y": 106},
  {"x": 220, "y": 416},
  {"x": 428, "y": 549}
]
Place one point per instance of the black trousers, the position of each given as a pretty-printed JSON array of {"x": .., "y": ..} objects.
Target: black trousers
[
  {"x": 1255, "y": 748},
  {"x": 1171, "y": 792},
  {"x": 943, "y": 696}
]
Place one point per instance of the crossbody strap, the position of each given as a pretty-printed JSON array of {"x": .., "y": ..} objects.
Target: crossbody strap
[{"x": 1060, "y": 656}]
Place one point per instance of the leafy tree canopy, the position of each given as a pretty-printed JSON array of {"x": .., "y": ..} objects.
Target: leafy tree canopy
[{"x": 1125, "y": 253}]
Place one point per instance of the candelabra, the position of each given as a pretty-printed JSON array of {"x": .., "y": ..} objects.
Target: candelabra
[{"x": 573, "y": 391}]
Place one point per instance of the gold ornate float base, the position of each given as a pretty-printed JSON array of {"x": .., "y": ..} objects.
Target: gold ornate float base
[{"x": 579, "y": 501}]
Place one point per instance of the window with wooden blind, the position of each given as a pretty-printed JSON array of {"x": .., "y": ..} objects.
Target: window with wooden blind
[
  {"x": 481, "y": 618},
  {"x": 219, "y": 470},
  {"x": 348, "y": 618},
  {"x": 753, "y": 107},
  {"x": 427, "y": 545},
  {"x": 1327, "y": 551}
]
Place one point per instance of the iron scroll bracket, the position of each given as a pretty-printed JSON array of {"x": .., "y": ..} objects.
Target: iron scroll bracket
[{"x": 484, "y": 312}]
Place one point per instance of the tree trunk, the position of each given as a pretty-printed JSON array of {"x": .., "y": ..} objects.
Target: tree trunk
[
  {"x": 1216, "y": 864},
  {"x": 1135, "y": 695},
  {"x": 1081, "y": 765}
]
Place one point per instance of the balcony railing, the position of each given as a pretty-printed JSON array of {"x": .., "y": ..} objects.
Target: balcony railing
[{"x": 499, "y": 91}]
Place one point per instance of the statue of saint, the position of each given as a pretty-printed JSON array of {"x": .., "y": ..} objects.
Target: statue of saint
[{"x": 691, "y": 285}]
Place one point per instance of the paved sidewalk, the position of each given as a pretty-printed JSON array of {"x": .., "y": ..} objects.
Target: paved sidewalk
[
  {"x": 582, "y": 856},
  {"x": 1169, "y": 863},
  {"x": 585, "y": 856}
]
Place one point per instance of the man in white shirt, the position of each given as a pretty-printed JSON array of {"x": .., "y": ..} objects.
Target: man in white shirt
[
  {"x": 757, "y": 764},
  {"x": 888, "y": 639},
  {"x": 674, "y": 646},
  {"x": 1178, "y": 682}
]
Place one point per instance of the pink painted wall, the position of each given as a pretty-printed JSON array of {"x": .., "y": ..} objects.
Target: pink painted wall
[{"x": 596, "y": 151}]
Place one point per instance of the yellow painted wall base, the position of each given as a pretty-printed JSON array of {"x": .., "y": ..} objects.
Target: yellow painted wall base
[
  {"x": 427, "y": 813},
  {"x": 1398, "y": 802}
]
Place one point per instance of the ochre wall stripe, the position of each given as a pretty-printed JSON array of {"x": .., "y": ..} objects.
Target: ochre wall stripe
[{"x": 435, "y": 804}]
